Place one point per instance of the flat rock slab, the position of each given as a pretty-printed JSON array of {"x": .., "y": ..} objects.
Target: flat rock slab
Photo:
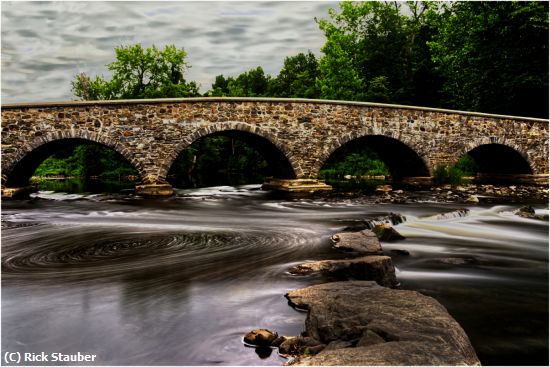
[
  {"x": 387, "y": 327},
  {"x": 364, "y": 242},
  {"x": 377, "y": 268}
]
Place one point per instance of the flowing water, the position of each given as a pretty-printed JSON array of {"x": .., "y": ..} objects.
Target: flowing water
[{"x": 179, "y": 281}]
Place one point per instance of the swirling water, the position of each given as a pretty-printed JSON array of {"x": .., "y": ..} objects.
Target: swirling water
[{"x": 179, "y": 281}]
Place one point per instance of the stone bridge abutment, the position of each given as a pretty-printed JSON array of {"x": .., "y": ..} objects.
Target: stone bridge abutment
[{"x": 150, "y": 134}]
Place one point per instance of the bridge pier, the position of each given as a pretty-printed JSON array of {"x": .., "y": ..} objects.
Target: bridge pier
[
  {"x": 156, "y": 190},
  {"x": 302, "y": 185}
]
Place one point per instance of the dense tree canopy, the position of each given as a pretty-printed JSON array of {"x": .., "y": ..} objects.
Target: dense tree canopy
[
  {"x": 376, "y": 51},
  {"x": 252, "y": 83},
  {"x": 493, "y": 56},
  {"x": 139, "y": 73},
  {"x": 297, "y": 78}
]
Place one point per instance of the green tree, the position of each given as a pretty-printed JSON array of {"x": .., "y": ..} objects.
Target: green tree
[
  {"x": 378, "y": 90},
  {"x": 376, "y": 51},
  {"x": 139, "y": 73},
  {"x": 341, "y": 78},
  {"x": 220, "y": 87},
  {"x": 493, "y": 56},
  {"x": 85, "y": 160},
  {"x": 297, "y": 78},
  {"x": 251, "y": 83}
]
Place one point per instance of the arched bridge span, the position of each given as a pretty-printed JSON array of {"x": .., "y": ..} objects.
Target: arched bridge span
[{"x": 151, "y": 133}]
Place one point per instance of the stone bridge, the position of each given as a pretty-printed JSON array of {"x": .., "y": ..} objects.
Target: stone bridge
[{"x": 296, "y": 136}]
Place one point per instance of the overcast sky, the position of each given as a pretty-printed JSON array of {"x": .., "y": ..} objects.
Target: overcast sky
[{"x": 44, "y": 44}]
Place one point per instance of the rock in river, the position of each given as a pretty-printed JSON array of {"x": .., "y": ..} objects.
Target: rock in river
[
  {"x": 260, "y": 337},
  {"x": 387, "y": 327},
  {"x": 529, "y": 212},
  {"x": 385, "y": 232},
  {"x": 364, "y": 242},
  {"x": 377, "y": 268}
]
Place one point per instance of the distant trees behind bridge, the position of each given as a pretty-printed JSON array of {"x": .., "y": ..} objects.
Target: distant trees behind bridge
[{"x": 487, "y": 56}]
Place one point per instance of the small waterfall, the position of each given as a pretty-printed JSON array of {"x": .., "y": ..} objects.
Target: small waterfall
[
  {"x": 392, "y": 219},
  {"x": 459, "y": 213}
]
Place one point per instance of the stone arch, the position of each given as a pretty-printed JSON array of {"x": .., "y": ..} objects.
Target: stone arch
[
  {"x": 497, "y": 155},
  {"x": 407, "y": 144},
  {"x": 509, "y": 146},
  {"x": 22, "y": 164},
  {"x": 228, "y": 127}
]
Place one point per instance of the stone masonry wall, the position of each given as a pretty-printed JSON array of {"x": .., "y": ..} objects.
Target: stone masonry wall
[{"x": 151, "y": 133}]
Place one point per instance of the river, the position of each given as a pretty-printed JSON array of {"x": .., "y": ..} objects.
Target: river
[{"x": 179, "y": 281}]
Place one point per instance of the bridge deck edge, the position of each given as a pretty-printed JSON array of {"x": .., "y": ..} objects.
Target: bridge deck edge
[{"x": 258, "y": 99}]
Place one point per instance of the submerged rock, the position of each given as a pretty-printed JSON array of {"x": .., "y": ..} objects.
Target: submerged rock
[
  {"x": 377, "y": 268},
  {"x": 529, "y": 212},
  {"x": 260, "y": 337},
  {"x": 400, "y": 252},
  {"x": 364, "y": 242},
  {"x": 387, "y": 327},
  {"x": 458, "y": 261},
  {"x": 385, "y": 232}
]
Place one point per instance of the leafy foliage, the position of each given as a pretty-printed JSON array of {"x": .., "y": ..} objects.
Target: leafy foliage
[
  {"x": 139, "y": 73},
  {"x": 86, "y": 160},
  {"x": 363, "y": 162},
  {"x": 448, "y": 175},
  {"x": 252, "y": 83},
  {"x": 465, "y": 166},
  {"x": 493, "y": 56},
  {"x": 374, "y": 52},
  {"x": 298, "y": 78}
]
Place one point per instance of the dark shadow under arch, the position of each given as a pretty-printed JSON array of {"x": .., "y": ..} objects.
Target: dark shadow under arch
[
  {"x": 23, "y": 170},
  {"x": 401, "y": 160},
  {"x": 499, "y": 159},
  {"x": 279, "y": 164}
]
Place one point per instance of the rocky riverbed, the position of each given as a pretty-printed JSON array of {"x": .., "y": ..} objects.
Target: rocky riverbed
[{"x": 470, "y": 194}]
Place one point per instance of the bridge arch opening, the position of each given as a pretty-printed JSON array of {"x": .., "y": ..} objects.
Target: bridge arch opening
[
  {"x": 392, "y": 155},
  {"x": 229, "y": 157},
  {"x": 495, "y": 162},
  {"x": 75, "y": 158}
]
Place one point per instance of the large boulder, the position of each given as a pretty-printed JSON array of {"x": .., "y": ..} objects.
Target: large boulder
[
  {"x": 364, "y": 242},
  {"x": 377, "y": 268},
  {"x": 387, "y": 327}
]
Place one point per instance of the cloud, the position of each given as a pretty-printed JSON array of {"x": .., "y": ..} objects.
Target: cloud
[{"x": 45, "y": 44}]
